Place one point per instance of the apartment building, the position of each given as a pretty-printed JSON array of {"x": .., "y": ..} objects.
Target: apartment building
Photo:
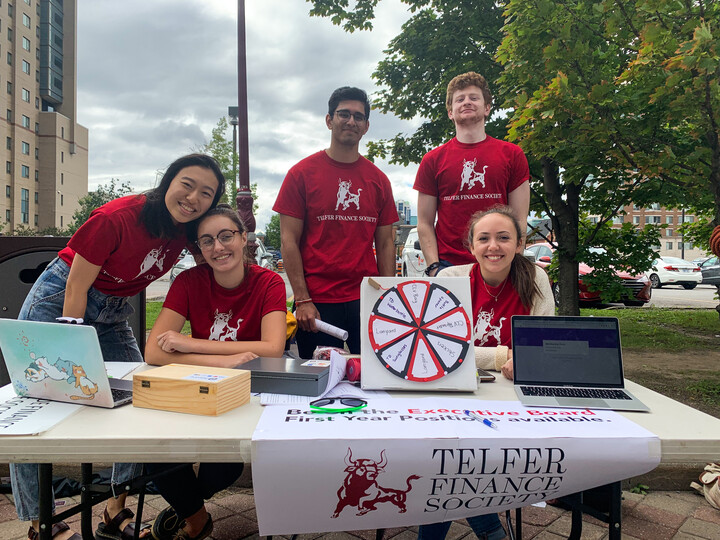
[
  {"x": 672, "y": 242},
  {"x": 44, "y": 149}
]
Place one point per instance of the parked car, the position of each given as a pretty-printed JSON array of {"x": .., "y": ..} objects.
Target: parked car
[
  {"x": 700, "y": 260},
  {"x": 185, "y": 261},
  {"x": 638, "y": 290},
  {"x": 413, "y": 260},
  {"x": 674, "y": 271},
  {"x": 263, "y": 257},
  {"x": 710, "y": 270}
]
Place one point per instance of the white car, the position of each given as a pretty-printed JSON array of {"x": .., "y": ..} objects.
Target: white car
[
  {"x": 674, "y": 271},
  {"x": 413, "y": 260}
]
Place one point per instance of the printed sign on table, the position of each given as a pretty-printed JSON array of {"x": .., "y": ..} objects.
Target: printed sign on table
[
  {"x": 405, "y": 461},
  {"x": 29, "y": 416}
]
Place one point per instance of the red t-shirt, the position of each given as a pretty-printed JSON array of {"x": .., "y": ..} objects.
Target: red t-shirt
[
  {"x": 492, "y": 317},
  {"x": 467, "y": 178},
  {"x": 223, "y": 314},
  {"x": 114, "y": 239},
  {"x": 341, "y": 204}
]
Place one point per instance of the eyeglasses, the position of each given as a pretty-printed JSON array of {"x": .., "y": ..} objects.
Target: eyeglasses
[
  {"x": 206, "y": 242},
  {"x": 344, "y": 114},
  {"x": 351, "y": 404}
]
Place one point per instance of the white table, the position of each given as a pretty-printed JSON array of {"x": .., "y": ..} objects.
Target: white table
[{"x": 129, "y": 434}]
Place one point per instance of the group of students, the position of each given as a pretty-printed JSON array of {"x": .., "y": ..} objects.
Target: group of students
[{"x": 237, "y": 309}]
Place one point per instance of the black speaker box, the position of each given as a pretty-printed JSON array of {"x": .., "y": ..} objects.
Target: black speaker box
[{"x": 22, "y": 260}]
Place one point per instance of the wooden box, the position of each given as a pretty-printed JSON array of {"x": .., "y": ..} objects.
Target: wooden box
[{"x": 191, "y": 389}]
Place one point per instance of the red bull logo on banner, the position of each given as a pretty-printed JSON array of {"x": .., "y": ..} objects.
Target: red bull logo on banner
[{"x": 361, "y": 490}]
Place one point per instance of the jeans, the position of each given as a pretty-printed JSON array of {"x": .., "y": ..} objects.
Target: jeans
[
  {"x": 187, "y": 492},
  {"x": 108, "y": 314},
  {"x": 486, "y": 527},
  {"x": 345, "y": 315}
]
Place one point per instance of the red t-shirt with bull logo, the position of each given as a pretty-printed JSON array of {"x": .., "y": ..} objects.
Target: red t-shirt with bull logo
[
  {"x": 114, "y": 239},
  {"x": 221, "y": 314},
  {"x": 467, "y": 178},
  {"x": 491, "y": 315},
  {"x": 341, "y": 205}
]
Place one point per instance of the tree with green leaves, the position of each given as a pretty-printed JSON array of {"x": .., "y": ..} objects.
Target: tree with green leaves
[
  {"x": 442, "y": 38},
  {"x": 95, "y": 199},
  {"x": 593, "y": 143},
  {"x": 595, "y": 100},
  {"x": 221, "y": 148},
  {"x": 272, "y": 232}
]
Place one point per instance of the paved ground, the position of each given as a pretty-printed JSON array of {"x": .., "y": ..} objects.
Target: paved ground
[{"x": 660, "y": 515}]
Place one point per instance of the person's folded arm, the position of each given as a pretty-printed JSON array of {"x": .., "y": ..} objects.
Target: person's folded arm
[{"x": 166, "y": 345}]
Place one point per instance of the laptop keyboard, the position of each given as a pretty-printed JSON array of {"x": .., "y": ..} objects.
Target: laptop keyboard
[
  {"x": 120, "y": 395},
  {"x": 549, "y": 391}
]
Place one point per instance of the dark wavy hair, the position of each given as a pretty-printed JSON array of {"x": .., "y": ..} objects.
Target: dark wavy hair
[
  {"x": 348, "y": 93},
  {"x": 155, "y": 216},
  {"x": 522, "y": 271},
  {"x": 225, "y": 210}
]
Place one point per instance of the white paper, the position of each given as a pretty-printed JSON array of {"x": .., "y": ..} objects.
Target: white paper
[
  {"x": 29, "y": 416},
  {"x": 410, "y": 461},
  {"x": 118, "y": 370},
  {"x": 331, "y": 330},
  {"x": 343, "y": 389}
]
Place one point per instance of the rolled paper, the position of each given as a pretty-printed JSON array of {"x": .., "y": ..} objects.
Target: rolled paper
[{"x": 329, "y": 329}]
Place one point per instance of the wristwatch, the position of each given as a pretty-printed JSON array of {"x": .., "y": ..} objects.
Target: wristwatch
[{"x": 433, "y": 266}]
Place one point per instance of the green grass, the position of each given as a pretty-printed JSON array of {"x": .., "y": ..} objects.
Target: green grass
[
  {"x": 670, "y": 330},
  {"x": 706, "y": 390},
  {"x": 152, "y": 310}
]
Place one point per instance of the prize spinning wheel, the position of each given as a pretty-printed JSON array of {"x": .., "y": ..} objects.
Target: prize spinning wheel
[{"x": 419, "y": 331}]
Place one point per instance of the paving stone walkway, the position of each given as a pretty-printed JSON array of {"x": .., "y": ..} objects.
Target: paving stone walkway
[{"x": 661, "y": 515}]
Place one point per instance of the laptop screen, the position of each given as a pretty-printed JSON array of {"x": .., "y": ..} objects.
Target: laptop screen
[{"x": 578, "y": 351}]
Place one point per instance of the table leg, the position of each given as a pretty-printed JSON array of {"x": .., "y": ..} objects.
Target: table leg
[
  {"x": 86, "y": 501},
  {"x": 45, "y": 494},
  {"x": 615, "y": 514}
]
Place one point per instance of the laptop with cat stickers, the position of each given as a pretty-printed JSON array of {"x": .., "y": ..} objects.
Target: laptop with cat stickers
[{"x": 59, "y": 362}]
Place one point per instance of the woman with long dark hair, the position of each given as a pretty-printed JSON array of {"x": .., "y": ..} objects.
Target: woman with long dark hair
[{"x": 124, "y": 246}]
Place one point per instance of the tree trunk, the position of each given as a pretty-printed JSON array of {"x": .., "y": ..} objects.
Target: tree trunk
[{"x": 565, "y": 227}]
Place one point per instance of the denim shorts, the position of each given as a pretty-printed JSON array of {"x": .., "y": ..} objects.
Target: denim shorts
[{"x": 108, "y": 314}]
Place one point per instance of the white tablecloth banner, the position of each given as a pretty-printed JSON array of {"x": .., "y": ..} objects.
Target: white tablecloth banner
[{"x": 408, "y": 461}]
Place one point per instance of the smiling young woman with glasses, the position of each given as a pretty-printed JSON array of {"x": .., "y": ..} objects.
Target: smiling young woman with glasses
[{"x": 236, "y": 311}]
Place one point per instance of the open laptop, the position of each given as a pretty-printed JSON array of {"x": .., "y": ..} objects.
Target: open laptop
[
  {"x": 570, "y": 362},
  {"x": 59, "y": 362}
]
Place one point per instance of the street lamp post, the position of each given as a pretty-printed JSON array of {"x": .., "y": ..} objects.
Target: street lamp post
[
  {"x": 244, "y": 195},
  {"x": 233, "y": 114}
]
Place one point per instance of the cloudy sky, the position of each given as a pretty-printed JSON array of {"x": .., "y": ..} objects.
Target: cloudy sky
[{"x": 154, "y": 77}]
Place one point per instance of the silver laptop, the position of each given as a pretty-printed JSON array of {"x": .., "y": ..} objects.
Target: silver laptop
[
  {"x": 570, "y": 362},
  {"x": 59, "y": 362}
]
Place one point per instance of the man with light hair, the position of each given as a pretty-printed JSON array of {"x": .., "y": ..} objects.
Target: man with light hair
[{"x": 471, "y": 172}]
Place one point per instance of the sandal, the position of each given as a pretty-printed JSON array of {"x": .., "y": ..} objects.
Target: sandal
[
  {"x": 166, "y": 524},
  {"x": 206, "y": 530},
  {"x": 109, "y": 529},
  {"x": 57, "y": 528}
]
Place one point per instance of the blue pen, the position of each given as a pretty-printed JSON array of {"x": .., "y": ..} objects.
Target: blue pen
[{"x": 485, "y": 421}]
